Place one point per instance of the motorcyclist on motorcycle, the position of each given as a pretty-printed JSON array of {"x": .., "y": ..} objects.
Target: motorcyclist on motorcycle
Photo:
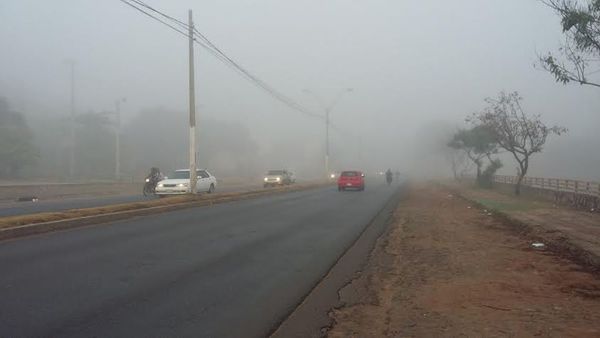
[
  {"x": 388, "y": 176},
  {"x": 152, "y": 180}
]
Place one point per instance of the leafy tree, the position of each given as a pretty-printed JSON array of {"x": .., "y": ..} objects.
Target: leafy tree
[
  {"x": 514, "y": 131},
  {"x": 581, "y": 26},
  {"x": 16, "y": 147},
  {"x": 477, "y": 143}
]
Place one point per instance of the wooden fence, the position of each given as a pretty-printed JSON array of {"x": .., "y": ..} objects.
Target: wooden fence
[{"x": 580, "y": 194}]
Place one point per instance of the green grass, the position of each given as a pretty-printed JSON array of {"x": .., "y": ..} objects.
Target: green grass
[{"x": 508, "y": 206}]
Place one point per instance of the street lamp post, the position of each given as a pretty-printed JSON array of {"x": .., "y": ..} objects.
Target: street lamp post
[
  {"x": 327, "y": 108},
  {"x": 71, "y": 63},
  {"x": 118, "y": 137}
]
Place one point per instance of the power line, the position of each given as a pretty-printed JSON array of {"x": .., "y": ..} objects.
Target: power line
[
  {"x": 179, "y": 22},
  {"x": 255, "y": 80},
  {"x": 220, "y": 55},
  {"x": 153, "y": 17},
  {"x": 184, "y": 33}
]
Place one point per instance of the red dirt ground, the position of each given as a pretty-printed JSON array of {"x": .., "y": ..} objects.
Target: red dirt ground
[{"x": 446, "y": 268}]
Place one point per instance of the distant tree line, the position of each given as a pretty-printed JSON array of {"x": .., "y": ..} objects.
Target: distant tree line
[
  {"x": 155, "y": 137},
  {"x": 17, "y": 148}
]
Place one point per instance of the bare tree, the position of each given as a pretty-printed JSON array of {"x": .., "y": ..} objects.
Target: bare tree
[
  {"x": 459, "y": 163},
  {"x": 581, "y": 50},
  {"x": 517, "y": 133}
]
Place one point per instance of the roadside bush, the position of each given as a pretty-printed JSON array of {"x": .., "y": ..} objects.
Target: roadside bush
[{"x": 487, "y": 176}]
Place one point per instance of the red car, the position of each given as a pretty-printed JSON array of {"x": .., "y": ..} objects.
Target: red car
[{"x": 351, "y": 180}]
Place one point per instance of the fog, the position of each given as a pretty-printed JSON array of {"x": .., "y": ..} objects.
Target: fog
[{"x": 416, "y": 69}]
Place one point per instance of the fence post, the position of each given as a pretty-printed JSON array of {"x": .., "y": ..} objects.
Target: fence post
[{"x": 543, "y": 180}]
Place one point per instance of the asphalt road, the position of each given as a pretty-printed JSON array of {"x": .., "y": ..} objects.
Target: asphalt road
[
  {"x": 230, "y": 270},
  {"x": 56, "y": 205}
]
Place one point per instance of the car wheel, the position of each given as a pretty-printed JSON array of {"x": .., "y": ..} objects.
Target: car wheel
[
  {"x": 340, "y": 189},
  {"x": 211, "y": 189}
]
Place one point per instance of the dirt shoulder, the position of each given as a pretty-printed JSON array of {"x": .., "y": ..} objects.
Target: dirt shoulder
[
  {"x": 569, "y": 232},
  {"x": 446, "y": 268}
]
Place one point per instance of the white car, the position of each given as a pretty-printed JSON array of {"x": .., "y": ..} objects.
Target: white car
[{"x": 179, "y": 183}]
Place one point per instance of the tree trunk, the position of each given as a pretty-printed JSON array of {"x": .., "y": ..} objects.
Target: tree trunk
[
  {"x": 455, "y": 170},
  {"x": 518, "y": 186},
  {"x": 524, "y": 165}
]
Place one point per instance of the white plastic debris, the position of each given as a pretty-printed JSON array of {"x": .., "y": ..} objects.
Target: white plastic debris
[
  {"x": 468, "y": 207},
  {"x": 489, "y": 214},
  {"x": 538, "y": 245}
]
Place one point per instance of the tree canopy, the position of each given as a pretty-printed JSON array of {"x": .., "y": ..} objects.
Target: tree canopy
[
  {"x": 477, "y": 143},
  {"x": 580, "y": 54},
  {"x": 513, "y": 130}
]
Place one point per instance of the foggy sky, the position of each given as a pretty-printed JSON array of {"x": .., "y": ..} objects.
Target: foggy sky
[{"x": 412, "y": 65}]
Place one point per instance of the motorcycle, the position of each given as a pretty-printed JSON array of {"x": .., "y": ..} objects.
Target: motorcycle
[
  {"x": 149, "y": 186},
  {"x": 388, "y": 178}
]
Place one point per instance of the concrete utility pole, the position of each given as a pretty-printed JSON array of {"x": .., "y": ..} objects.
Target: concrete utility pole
[
  {"x": 327, "y": 172},
  {"x": 118, "y": 138},
  {"x": 71, "y": 64},
  {"x": 192, "y": 99},
  {"x": 328, "y": 108}
]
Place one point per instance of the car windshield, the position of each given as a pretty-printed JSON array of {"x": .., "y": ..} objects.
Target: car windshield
[
  {"x": 350, "y": 174},
  {"x": 179, "y": 175},
  {"x": 275, "y": 172}
]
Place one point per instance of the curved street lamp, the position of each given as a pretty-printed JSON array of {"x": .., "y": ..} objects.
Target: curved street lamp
[{"x": 327, "y": 107}]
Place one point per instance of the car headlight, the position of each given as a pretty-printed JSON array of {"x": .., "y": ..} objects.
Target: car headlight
[
  {"x": 182, "y": 185},
  {"x": 147, "y": 180},
  {"x": 266, "y": 179},
  {"x": 278, "y": 179},
  {"x": 332, "y": 175},
  {"x": 160, "y": 185}
]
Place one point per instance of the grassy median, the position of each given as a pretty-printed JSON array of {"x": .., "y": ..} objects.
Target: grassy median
[{"x": 184, "y": 200}]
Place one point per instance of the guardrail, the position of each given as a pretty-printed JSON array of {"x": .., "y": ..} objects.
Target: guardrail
[{"x": 579, "y": 194}]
